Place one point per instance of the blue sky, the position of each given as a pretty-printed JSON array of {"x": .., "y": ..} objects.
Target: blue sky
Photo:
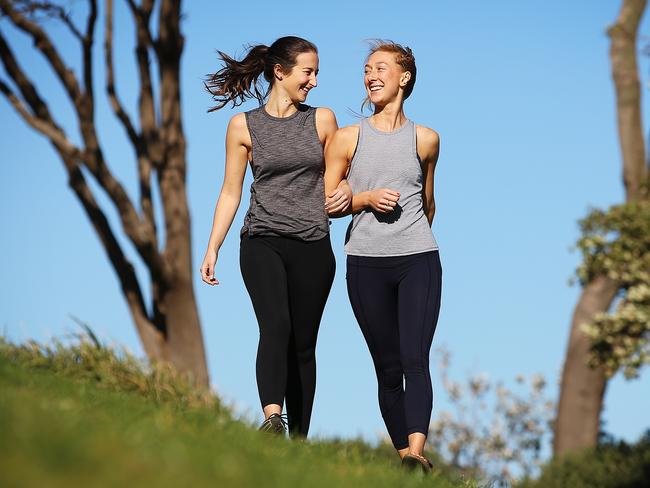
[{"x": 521, "y": 95}]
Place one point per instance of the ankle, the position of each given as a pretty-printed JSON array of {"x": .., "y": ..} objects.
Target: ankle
[{"x": 417, "y": 454}]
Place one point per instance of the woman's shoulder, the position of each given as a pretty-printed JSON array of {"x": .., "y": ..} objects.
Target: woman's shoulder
[
  {"x": 345, "y": 138},
  {"x": 324, "y": 114},
  {"x": 428, "y": 142},
  {"x": 238, "y": 129},
  {"x": 238, "y": 121},
  {"x": 427, "y": 135},
  {"x": 349, "y": 130}
]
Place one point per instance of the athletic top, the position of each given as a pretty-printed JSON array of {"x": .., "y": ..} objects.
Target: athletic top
[
  {"x": 388, "y": 160},
  {"x": 287, "y": 193}
]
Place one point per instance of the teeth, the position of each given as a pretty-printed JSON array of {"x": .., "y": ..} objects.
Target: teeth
[{"x": 375, "y": 88}]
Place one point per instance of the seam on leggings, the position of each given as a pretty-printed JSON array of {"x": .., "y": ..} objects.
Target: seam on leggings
[
  {"x": 436, "y": 310},
  {"x": 430, "y": 336},
  {"x": 411, "y": 430},
  {"x": 424, "y": 315}
]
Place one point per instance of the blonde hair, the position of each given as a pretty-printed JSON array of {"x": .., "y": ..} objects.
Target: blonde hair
[{"x": 403, "y": 56}]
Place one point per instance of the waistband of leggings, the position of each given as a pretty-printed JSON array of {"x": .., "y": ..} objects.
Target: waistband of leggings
[{"x": 388, "y": 261}]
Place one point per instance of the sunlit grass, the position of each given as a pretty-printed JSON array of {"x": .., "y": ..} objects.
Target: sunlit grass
[{"x": 83, "y": 414}]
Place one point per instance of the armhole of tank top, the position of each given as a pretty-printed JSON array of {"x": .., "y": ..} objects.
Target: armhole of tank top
[
  {"x": 313, "y": 117},
  {"x": 357, "y": 147},
  {"x": 250, "y": 134},
  {"x": 416, "y": 156}
]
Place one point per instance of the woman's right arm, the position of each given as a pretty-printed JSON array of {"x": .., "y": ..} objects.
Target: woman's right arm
[
  {"x": 238, "y": 149},
  {"x": 338, "y": 156}
]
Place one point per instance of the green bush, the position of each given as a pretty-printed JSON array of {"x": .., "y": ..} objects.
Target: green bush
[{"x": 611, "y": 465}]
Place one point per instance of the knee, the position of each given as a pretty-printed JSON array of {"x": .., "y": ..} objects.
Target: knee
[
  {"x": 390, "y": 380},
  {"x": 306, "y": 355},
  {"x": 276, "y": 333},
  {"x": 415, "y": 366}
]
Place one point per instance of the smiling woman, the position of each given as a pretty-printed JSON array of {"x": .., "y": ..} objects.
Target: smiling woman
[
  {"x": 286, "y": 257},
  {"x": 394, "y": 274}
]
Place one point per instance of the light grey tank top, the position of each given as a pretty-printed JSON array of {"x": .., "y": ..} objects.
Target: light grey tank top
[
  {"x": 287, "y": 193},
  {"x": 388, "y": 160}
]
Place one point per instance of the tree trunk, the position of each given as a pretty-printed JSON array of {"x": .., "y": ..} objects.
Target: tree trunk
[{"x": 583, "y": 388}]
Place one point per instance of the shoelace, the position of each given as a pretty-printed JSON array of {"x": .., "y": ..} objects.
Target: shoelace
[{"x": 268, "y": 423}]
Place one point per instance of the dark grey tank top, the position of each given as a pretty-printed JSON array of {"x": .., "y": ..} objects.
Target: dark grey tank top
[
  {"x": 388, "y": 160},
  {"x": 288, "y": 193}
]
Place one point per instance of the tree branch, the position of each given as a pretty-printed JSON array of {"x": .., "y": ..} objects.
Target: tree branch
[
  {"x": 116, "y": 105},
  {"x": 142, "y": 236},
  {"x": 48, "y": 129},
  {"x": 152, "y": 154},
  {"x": 40, "y": 117},
  {"x": 50, "y": 10},
  {"x": 43, "y": 44},
  {"x": 87, "y": 43},
  {"x": 623, "y": 36}
]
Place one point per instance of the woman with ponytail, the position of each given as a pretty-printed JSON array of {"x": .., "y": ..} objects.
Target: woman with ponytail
[{"x": 286, "y": 257}]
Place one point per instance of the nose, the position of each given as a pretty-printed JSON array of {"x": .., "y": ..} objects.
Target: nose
[{"x": 313, "y": 81}]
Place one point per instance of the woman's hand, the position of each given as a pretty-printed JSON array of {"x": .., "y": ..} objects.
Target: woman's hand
[
  {"x": 339, "y": 200},
  {"x": 383, "y": 200},
  {"x": 207, "y": 268}
]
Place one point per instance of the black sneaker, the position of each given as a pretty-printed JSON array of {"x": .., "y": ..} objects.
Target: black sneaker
[
  {"x": 413, "y": 463},
  {"x": 275, "y": 424}
]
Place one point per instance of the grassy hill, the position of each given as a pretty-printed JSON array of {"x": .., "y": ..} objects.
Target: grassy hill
[{"x": 85, "y": 415}]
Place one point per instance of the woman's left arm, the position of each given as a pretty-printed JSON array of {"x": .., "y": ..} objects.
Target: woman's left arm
[{"x": 428, "y": 148}]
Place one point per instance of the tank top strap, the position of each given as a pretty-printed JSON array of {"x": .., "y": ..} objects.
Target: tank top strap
[
  {"x": 307, "y": 116},
  {"x": 414, "y": 138}
]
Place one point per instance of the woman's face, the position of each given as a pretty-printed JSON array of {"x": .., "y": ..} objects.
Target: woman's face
[
  {"x": 383, "y": 77},
  {"x": 302, "y": 77}
]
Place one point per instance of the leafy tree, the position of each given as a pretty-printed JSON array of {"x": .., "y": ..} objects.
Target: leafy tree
[{"x": 615, "y": 247}]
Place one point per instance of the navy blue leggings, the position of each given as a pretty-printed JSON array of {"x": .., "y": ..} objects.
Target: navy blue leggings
[{"x": 396, "y": 301}]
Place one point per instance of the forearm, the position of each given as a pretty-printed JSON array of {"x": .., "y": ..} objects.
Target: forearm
[
  {"x": 360, "y": 201},
  {"x": 431, "y": 212},
  {"x": 224, "y": 214}
]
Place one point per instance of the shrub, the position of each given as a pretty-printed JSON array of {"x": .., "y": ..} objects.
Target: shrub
[{"x": 610, "y": 465}]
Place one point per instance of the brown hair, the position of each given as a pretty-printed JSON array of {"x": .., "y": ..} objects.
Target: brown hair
[{"x": 239, "y": 80}]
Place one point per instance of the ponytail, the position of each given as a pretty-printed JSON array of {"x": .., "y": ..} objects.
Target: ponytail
[{"x": 239, "y": 80}]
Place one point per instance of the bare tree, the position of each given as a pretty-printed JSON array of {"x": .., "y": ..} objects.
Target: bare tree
[
  {"x": 583, "y": 387},
  {"x": 169, "y": 328}
]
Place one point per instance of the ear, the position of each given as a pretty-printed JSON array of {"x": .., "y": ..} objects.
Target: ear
[
  {"x": 277, "y": 72},
  {"x": 404, "y": 79}
]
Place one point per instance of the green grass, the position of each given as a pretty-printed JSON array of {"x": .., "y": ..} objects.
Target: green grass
[{"x": 85, "y": 415}]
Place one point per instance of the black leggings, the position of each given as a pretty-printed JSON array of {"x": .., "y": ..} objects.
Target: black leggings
[
  {"x": 396, "y": 301},
  {"x": 288, "y": 281}
]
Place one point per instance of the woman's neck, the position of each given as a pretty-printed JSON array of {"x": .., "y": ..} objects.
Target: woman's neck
[
  {"x": 280, "y": 105},
  {"x": 389, "y": 117}
]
